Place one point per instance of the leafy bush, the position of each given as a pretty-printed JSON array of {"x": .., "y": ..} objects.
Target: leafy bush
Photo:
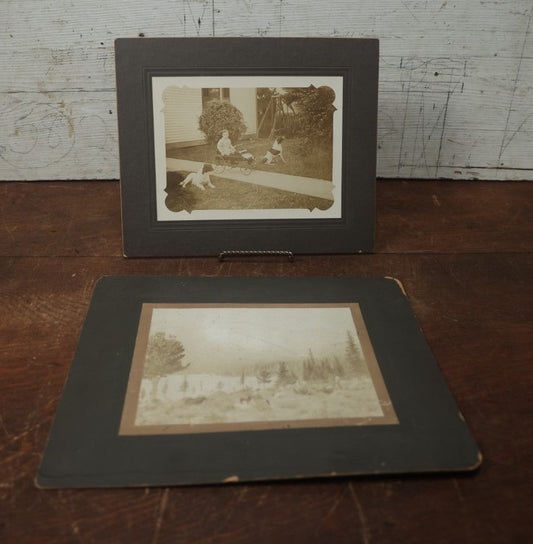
[
  {"x": 315, "y": 111},
  {"x": 218, "y": 116}
]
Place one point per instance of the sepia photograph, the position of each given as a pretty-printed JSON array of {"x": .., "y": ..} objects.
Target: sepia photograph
[
  {"x": 169, "y": 387},
  {"x": 213, "y": 368},
  {"x": 247, "y": 147}
]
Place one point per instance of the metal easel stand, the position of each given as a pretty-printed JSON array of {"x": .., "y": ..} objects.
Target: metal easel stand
[{"x": 223, "y": 255}]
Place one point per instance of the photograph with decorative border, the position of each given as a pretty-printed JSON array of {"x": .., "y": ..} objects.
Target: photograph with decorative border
[{"x": 247, "y": 144}]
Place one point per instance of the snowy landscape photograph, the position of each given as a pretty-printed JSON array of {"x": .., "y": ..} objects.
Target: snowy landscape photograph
[{"x": 212, "y": 368}]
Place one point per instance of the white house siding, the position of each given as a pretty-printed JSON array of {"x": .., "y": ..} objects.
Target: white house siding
[
  {"x": 182, "y": 109},
  {"x": 245, "y": 101}
]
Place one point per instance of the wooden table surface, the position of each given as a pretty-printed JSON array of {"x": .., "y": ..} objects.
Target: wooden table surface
[{"x": 463, "y": 251}]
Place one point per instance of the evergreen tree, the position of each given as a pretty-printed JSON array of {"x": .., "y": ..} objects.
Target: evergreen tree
[
  {"x": 283, "y": 372},
  {"x": 285, "y": 375},
  {"x": 264, "y": 376},
  {"x": 313, "y": 370},
  {"x": 313, "y": 367},
  {"x": 305, "y": 372},
  {"x": 338, "y": 367},
  {"x": 353, "y": 355},
  {"x": 326, "y": 369}
]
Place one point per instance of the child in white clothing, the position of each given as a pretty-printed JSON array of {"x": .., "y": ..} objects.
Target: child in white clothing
[
  {"x": 227, "y": 150},
  {"x": 224, "y": 145}
]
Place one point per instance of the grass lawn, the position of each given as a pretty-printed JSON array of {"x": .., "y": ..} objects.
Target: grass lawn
[
  {"x": 317, "y": 164},
  {"x": 234, "y": 195}
]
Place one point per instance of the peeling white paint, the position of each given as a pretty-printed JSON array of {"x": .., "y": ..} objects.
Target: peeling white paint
[{"x": 455, "y": 78}]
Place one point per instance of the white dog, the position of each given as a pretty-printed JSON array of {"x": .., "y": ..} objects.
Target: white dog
[
  {"x": 275, "y": 152},
  {"x": 200, "y": 178}
]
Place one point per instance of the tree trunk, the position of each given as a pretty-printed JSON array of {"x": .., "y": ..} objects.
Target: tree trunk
[{"x": 155, "y": 385}]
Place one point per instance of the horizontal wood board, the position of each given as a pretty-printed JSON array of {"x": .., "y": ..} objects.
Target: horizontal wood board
[
  {"x": 455, "y": 99},
  {"x": 463, "y": 254}
]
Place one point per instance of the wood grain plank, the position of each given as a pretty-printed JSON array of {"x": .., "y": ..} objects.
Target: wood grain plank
[
  {"x": 83, "y": 218},
  {"x": 456, "y": 217},
  {"x": 473, "y": 310},
  {"x": 45, "y": 132},
  {"x": 463, "y": 253},
  {"x": 455, "y": 94}
]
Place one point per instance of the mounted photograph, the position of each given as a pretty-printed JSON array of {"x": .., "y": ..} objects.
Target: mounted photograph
[
  {"x": 247, "y": 147},
  {"x": 247, "y": 144},
  {"x": 201, "y": 368},
  {"x": 197, "y": 380}
]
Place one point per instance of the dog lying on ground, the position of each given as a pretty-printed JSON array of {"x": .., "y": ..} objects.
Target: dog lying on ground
[
  {"x": 275, "y": 152},
  {"x": 199, "y": 179}
]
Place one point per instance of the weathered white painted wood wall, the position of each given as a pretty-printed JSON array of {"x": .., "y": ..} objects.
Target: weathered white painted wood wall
[{"x": 455, "y": 85}]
